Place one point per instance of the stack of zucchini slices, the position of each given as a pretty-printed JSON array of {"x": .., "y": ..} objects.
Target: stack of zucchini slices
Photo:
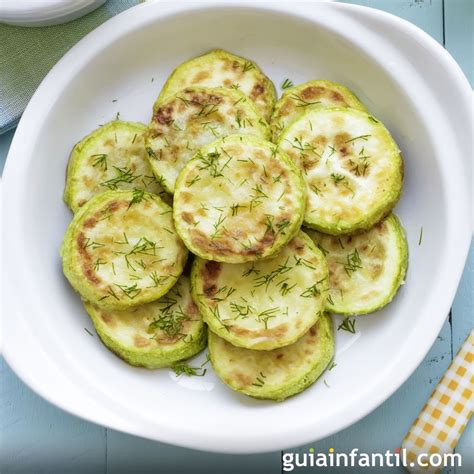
[{"x": 285, "y": 206}]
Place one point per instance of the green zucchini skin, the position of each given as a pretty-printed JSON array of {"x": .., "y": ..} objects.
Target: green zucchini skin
[
  {"x": 266, "y": 304},
  {"x": 239, "y": 199},
  {"x": 112, "y": 157},
  {"x": 153, "y": 335},
  {"x": 219, "y": 68},
  {"x": 365, "y": 270},
  {"x": 277, "y": 374},
  {"x": 193, "y": 118},
  {"x": 121, "y": 250},
  {"x": 299, "y": 99},
  {"x": 352, "y": 167}
]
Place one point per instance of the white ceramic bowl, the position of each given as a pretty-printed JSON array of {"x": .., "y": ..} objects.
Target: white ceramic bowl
[
  {"x": 44, "y": 12},
  {"x": 405, "y": 78}
]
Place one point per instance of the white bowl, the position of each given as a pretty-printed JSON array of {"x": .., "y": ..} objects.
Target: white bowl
[
  {"x": 405, "y": 78},
  {"x": 44, "y": 12}
]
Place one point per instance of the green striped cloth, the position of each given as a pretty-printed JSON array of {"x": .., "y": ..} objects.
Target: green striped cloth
[{"x": 27, "y": 54}]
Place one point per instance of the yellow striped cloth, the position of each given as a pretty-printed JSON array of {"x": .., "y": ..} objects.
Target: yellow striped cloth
[{"x": 444, "y": 417}]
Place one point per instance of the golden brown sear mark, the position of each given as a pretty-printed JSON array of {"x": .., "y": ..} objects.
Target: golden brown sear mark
[{"x": 276, "y": 332}]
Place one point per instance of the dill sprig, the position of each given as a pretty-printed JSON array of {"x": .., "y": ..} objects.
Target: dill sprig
[
  {"x": 185, "y": 369},
  {"x": 251, "y": 270},
  {"x": 210, "y": 162},
  {"x": 260, "y": 381},
  {"x": 286, "y": 84},
  {"x": 300, "y": 102},
  {"x": 347, "y": 325},
  {"x": 256, "y": 198},
  {"x": 207, "y": 109},
  {"x": 123, "y": 175},
  {"x": 247, "y": 66},
  {"x": 100, "y": 160},
  {"x": 223, "y": 293},
  {"x": 92, "y": 243},
  {"x": 360, "y": 137},
  {"x": 138, "y": 195},
  {"x": 337, "y": 178},
  {"x": 352, "y": 263},
  {"x": 214, "y": 129},
  {"x": 267, "y": 314},
  {"x": 241, "y": 311},
  {"x": 131, "y": 291},
  {"x": 219, "y": 229},
  {"x": 265, "y": 280}
]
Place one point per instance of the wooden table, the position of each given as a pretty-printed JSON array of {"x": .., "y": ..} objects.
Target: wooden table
[{"x": 38, "y": 438}]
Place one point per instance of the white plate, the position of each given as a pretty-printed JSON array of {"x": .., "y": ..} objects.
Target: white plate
[
  {"x": 405, "y": 78},
  {"x": 44, "y": 12}
]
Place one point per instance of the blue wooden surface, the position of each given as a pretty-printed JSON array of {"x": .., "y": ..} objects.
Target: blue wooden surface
[{"x": 36, "y": 437}]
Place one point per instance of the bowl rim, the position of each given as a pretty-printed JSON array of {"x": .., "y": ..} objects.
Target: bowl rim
[{"x": 306, "y": 431}]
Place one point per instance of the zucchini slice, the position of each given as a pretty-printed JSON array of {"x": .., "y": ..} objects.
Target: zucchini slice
[
  {"x": 121, "y": 249},
  {"x": 111, "y": 157},
  {"x": 276, "y": 374},
  {"x": 297, "y": 100},
  {"x": 153, "y": 335},
  {"x": 265, "y": 304},
  {"x": 219, "y": 68},
  {"x": 193, "y": 118},
  {"x": 238, "y": 199},
  {"x": 352, "y": 167},
  {"x": 365, "y": 270}
]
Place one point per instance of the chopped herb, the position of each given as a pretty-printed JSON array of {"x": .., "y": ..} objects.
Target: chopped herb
[
  {"x": 421, "y": 236},
  {"x": 337, "y": 178},
  {"x": 131, "y": 291},
  {"x": 91, "y": 243},
  {"x": 123, "y": 175},
  {"x": 286, "y": 84},
  {"x": 247, "y": 66},
  {"x": 185, "y": 369},
  {"x": 88, "y": 332},
  {"x": 217, "y": 227},
  {"x": 347, "y": 325},
  {"x": 260, "y": 382},
  {"x": 100, "y": 160},
  {"x": 98, "y": 263},
  {"x": 312, "y": 291},
  {"x": 251, "y": 270},
  {"x": 352, "y": 263},
  {"x": 360, "y": 137},
  {"x": 300, "y": 102},
  {"x": 323, "y": 250},
  {"x": 207, "y": 109},
  {"x": 138, "y": 195}
]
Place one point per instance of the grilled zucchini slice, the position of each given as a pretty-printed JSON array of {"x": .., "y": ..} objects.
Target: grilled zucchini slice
[
  {"x": 121, "y": 249},
  {"x": 365, "y": 270},
  {"x": 276, "y": 374},
  {"x": 111, "y": 157},
  {"x": 153, "y": 335},
  {"x": 193, "y": 118},
  {"x": 352, "y": 167},
  {"x": 238, "y": 199},
  {"x": 265, "y": 304},
  {"x": 297, "y": 100},
  {"x": 219, "y": 68}
]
